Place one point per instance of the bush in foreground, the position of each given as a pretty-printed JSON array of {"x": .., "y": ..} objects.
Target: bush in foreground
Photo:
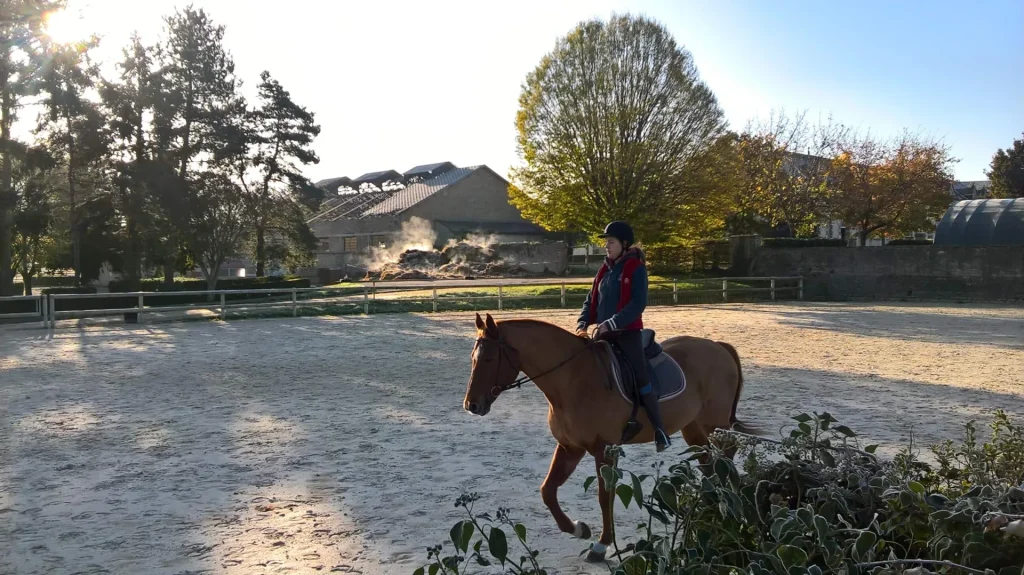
[{"x": 811, "y": 504}]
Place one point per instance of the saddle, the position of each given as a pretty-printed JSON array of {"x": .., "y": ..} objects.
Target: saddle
[{"x": 664, "y": 375}]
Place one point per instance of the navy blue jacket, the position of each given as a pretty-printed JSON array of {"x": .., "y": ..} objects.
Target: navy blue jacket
[{"x": 609, "y": 308}]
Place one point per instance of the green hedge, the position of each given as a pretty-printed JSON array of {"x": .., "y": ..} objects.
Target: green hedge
[
  {"x": 158, "y": 285},
  {"x": 803, "y": 243},
  {"x": 909, "y": 242},
  {"x": 67, "y": 290}
]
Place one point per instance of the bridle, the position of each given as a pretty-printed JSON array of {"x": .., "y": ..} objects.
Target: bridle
[{"x": 511, "y": 355}]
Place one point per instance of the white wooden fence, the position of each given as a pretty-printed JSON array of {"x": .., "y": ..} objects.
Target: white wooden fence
[{"x": 366, "y": 296}]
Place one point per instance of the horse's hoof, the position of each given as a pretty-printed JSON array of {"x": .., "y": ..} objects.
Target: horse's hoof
[
  {"x": 582, "y": 530},
  {"x": 595, "y": 557}
]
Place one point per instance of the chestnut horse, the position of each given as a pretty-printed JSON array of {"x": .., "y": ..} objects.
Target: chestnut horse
[{"x": 585, "y": 411}]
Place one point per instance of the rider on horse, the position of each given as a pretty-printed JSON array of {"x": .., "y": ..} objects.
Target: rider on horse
[{"x": 616, "y": 304}]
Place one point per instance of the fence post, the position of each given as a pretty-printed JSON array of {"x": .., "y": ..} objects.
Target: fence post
[
  {"x": 773, "y": 289},
  {"x": 44, "y": 301},
  {"x": 725, "y": 291},
  {"x": 139, "y": 319},
  {"x": 563, "y": 294},
  {"x": 675, "y": 291},
  {"x": 366, "y": 301},
  {"x": 499, "y": 297},
  {"x": 295, "y": 303},
  {"x": 800, "y": 289},
  {"x": 223, "y": 306},
  {"x": 434, "y": 300},
  {"x": 53, "y": 312}
]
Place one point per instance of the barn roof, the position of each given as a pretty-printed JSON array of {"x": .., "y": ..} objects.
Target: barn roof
[
  {"x": 982, "y": 223},
  {"x": 410, "y": 196},
  {"x": 375, "y": 203},
  {"x": 429, "y": 170}
]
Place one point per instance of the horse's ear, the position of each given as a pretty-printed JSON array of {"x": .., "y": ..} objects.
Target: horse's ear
[
  {"x": 480, "y": 325},
  {"x": 492, "y": 327}
]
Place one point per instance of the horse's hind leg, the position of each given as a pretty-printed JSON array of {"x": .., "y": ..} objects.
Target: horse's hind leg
[
  {"x": 563, "y": 463},
  {"x": 694, "y": 434}
]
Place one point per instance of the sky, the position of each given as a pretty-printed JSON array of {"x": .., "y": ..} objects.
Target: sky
[{"x": 396, "y": 84}]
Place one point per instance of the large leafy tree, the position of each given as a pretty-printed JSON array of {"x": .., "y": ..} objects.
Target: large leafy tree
[
  {"x": 608, "y": 126},
  {"x": 220, "y": 220},
  {"x": 1007, "y": 173},
  {"x": 785, "y": 162},
  {"x": 21, "y": 32},
  {"x": 891, "y": 188}
]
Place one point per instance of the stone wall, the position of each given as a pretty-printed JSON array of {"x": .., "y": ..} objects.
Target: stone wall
[{"x": 992, "y": 273}]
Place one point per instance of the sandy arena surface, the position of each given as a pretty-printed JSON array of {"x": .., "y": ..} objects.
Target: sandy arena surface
[{"x": 319, "y": 445}]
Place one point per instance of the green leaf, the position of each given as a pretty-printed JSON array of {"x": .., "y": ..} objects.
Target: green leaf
[
  {"x": 497, "y": 544},
  {"x": 588, "y": 482},
  {"x": 625, "y": 493},
  {"x": 419, "y": 571},
  {"x": 791, "y": 556},
  {"x": 845, "y": 431},
  {"x": 871, "y": 449},
  {"x": 608, "y": 476},
  {"x": 461, "y": 534},
  {"x": 805, "y": 516},
  {"x": 638, "y": 490},
  {"x": 821, "y": 527},
  {"x": 521, "y": 532},
  {"x": 635, "y": 565},
  {"x": 434, "y": 568},
  {"x": 916, "y": 487},
  {"x": 865, "y": 541},
  {"x": 805, "y": 428},
  {"x": 803, "y": 418},
  {"x": 826, "y": 458}
]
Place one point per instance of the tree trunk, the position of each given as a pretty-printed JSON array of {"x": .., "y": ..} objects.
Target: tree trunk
[
  {"x": 131, "y": 254},
  {"x": 6, "y": 199},
  {"x": 261, "y": 252},
  {"x": 169, "y": 273},
  {"x": 27, "y": 279},
  {"x": 864, "y": 235}
]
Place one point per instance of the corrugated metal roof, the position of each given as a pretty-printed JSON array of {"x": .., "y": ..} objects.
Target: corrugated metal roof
[
  {"x": 429, "y": 169},
  {"x": 416, "y": 193},
  {"x": 374, "y": 176}
]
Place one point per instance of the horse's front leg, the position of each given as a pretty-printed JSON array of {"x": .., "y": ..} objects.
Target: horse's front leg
[
  {"x": 599, "y": 549},
  {"x": 563, "y": 463}
]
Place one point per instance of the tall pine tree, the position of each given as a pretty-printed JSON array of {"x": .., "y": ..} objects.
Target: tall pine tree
[
  {"x": 74, "y": 129},
  {"x": 129, "y": 101},
  {"x": 281, "y": 137},
  {"x": 198, "y": 96}
]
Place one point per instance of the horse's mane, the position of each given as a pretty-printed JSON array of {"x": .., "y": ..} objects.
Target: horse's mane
[{"x": 541, "y": 324}]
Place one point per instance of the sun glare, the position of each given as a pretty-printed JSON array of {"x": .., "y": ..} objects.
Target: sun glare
[{"x": 66, "y": 27}]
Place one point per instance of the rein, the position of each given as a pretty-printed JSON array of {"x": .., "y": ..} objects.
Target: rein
[{"x": 505, "y": 349}]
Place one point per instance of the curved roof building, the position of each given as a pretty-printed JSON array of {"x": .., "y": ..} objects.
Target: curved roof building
[{"x": 982, "y": 223}]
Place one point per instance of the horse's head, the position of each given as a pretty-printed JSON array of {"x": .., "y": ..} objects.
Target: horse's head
[{"x": 495, "y": 367}]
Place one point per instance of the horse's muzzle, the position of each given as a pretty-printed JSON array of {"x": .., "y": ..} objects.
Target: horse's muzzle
[{"x": 477, "y": 408}]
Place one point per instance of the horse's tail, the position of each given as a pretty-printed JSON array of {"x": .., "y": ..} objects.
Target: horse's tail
[{"x": 734, "y": 422}]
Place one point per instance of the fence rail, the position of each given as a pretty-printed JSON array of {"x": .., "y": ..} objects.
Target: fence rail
[{"x": 382, "y": 296}]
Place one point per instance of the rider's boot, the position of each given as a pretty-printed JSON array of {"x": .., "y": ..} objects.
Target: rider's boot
[{"x": 650, "y": 403}]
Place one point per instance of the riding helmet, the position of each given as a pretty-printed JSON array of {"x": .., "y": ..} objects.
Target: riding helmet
[{"x": 620, "y": 231}]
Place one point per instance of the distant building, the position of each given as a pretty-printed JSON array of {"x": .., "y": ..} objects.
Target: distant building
[{"x": 369, "y": 211}]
